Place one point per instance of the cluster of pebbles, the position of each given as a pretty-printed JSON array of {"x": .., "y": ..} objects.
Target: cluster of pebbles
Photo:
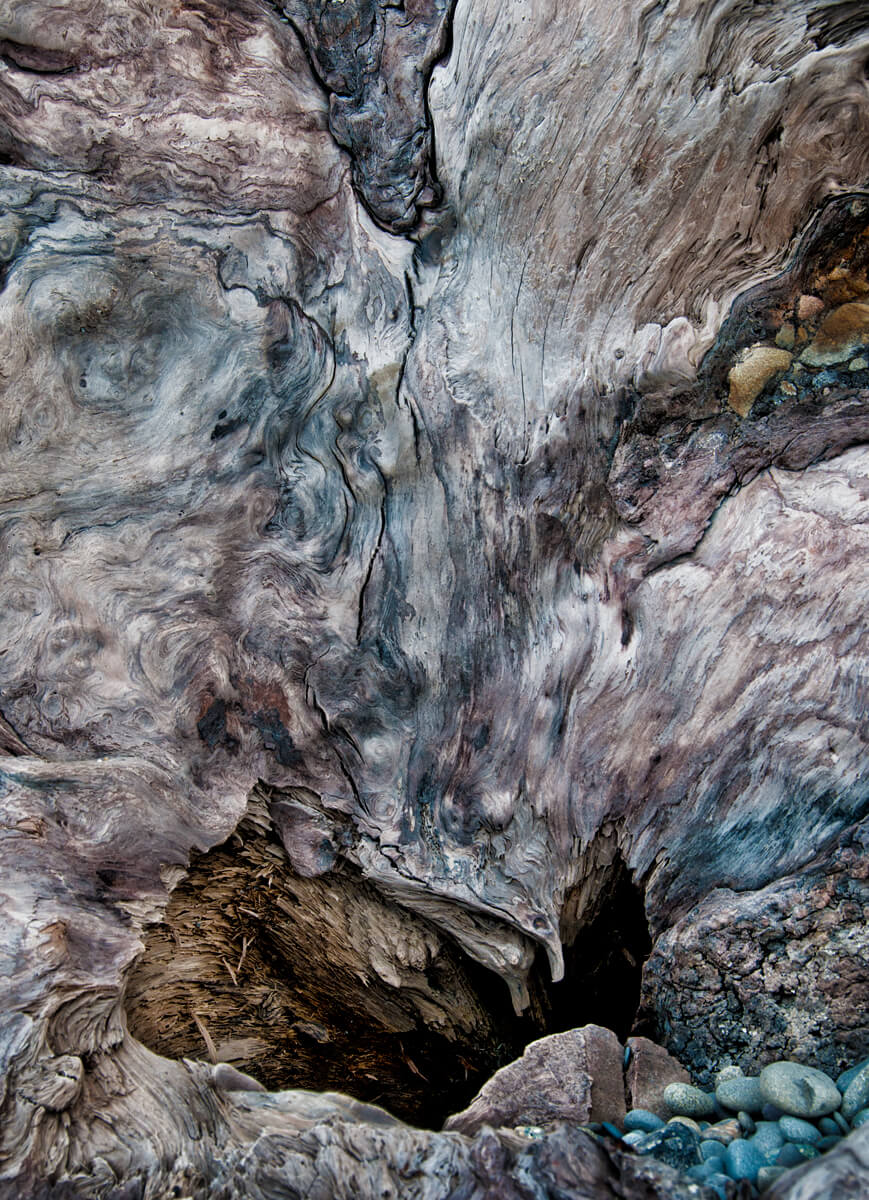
[{"x": 750, "y": 1128}]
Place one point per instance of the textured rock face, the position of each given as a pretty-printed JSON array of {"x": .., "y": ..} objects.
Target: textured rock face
[
  {"x": 574, "y": 1076},
  {"x": 453, "y": 529}
]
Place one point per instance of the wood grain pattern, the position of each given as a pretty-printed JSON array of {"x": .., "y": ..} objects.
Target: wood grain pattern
[{"x": 377, "y": 433}]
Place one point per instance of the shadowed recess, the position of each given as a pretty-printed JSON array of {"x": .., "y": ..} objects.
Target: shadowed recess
[{"x": 324, "y": 983}]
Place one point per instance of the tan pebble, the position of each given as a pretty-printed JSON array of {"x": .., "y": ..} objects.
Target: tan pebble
[
  {"x": 858, "y": 364},
  {"x": 788, "y": 389},
  {"x": 841, "y": 332},
  {"x": 809, "y": 306},
  {"x": 686, "y": 1121},
  {"x": 723, "y": 1131},
  {"x": 786, "y": 336},
  {"x": 750, "y": 375}
]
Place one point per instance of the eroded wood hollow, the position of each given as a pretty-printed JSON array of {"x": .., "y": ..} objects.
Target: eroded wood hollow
[{"x": 324, "y": 983}]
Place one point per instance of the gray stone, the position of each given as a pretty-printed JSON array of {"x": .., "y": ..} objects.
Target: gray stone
[
  {"x": 649, "y": 1071},
  {"x": 767, "y": 1176},
  {"x": 574, "y": 1076},
  {"x": 856, "y": 1094},
  {"x": 797, "y": 1130},
  {"x": 847, "y": 1075},
  {"x": 685, "y": 1100},
  {"x": 799, "y": 1091},
  {"x": 642, "y": 1119},
  {"x": 633, "y": 1136},
  {"x": 742, "y": 1160},
  {"x": 740, "y": 1094},
  {"x": 728, "y": 1072}
]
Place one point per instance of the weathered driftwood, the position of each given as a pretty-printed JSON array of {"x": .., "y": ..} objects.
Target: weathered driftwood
[{"x": 416, "y": 463}]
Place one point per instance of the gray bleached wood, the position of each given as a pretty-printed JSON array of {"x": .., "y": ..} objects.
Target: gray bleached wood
[{"x": 459, "y": 536}]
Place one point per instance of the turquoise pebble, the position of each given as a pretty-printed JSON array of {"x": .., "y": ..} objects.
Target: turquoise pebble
[
  {"x": 611, "y": 1130},
  {"x": 860, "y": 1118},
  {"x": 827, "y": 1143},
  {"x": 746, "y": 1123},
  {"x": 641, "y": 1118},
  {"x": 740, "y": 1094},
  {"x": 710, "y": 1150},
  {"x": 841, "y": 1122},
  {"x": 769, "y": 1139},
  {"x": 829, "y": 1127},
  {"x": 771, "y": 1112},
  {"x": 856, "y": 1094},
  {"x": 633, "y": 1136},
  {"x": 795, "y": 1153},
  {"x": 742, "y": 1160},
  {"x": 846, "y": 1077},
  {"x": 720, "y": 1184},
  {"x": 797, "y": 1130}
]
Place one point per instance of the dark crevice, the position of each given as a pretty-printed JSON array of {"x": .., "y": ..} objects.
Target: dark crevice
[{"x": 256, "y": 965}]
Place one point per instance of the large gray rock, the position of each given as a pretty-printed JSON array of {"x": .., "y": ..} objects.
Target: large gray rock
[{"x": 574, "y": 1076}]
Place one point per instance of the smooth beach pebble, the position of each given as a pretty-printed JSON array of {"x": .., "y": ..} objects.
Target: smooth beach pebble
[
  {"x": 797, "y": 1130},
  {"x": 860, "y": 1118},
  {"x": 771, "y": 1112},
  {"x": 688, "y": 1122},
  {"x": 799, "y": 1091},
  {"x": 795, "y": 1153},
  {"x": 827, "y": 1143},
  {"x": 723, "y": 1131},
  {"x": 641, "y": 1118},
  {"x": 743, "y": 1161},
  {"x": 856, "y": 1094},
  {"x": 769, "y": 1139},
  {"x": 846, "y": 1076},
  {"x": 829, "y": 1127},
  {"x": 740, "y": 1094},
  {"x": 633, "y": 1136},
  {"x": 711, "y": 1150},
  {"x": 841, "y": 1122},
  {"x": 729, "y": 1072},
  {"x": 685, "y": 1100},
  {"x": 746, "y": 1123}
]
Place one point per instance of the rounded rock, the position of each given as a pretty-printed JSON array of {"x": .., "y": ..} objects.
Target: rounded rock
[
  {"x": 771, "y": 1112},
  {"x": 860, "y": 1118},
  {"x": 856, "y": 1094},
  {"x": 769, "y": 1139},
  {"x": 612, "y": 1130},
  {"x": 685, "y": 1100},
  {"x": 799, "y": 1091},
  {"x": 742, "y": 1160},
  {"x": 795, "y": 1153},
  {"x": 688, "y": 1122},
  {"x": 641, "y": 1118},
  {"x": 740, "y": 1094},
  {"x": 828, "y": 1127},
  {"x": 728, "y": 1072},
  {"x": 847, "y": 1075},
  {"x": 797, "y": 1130},
  {"x": 746, "y": 1123},
  {"x": 710, "y": 1151},
  {"x": 720, "y": 1184},
  {"x": 723, "y": 1131},
  {"x": 634, "y": 1136},
  {"x": 827, "y": 1143},
  {"x": 842, "y": 1123}
]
